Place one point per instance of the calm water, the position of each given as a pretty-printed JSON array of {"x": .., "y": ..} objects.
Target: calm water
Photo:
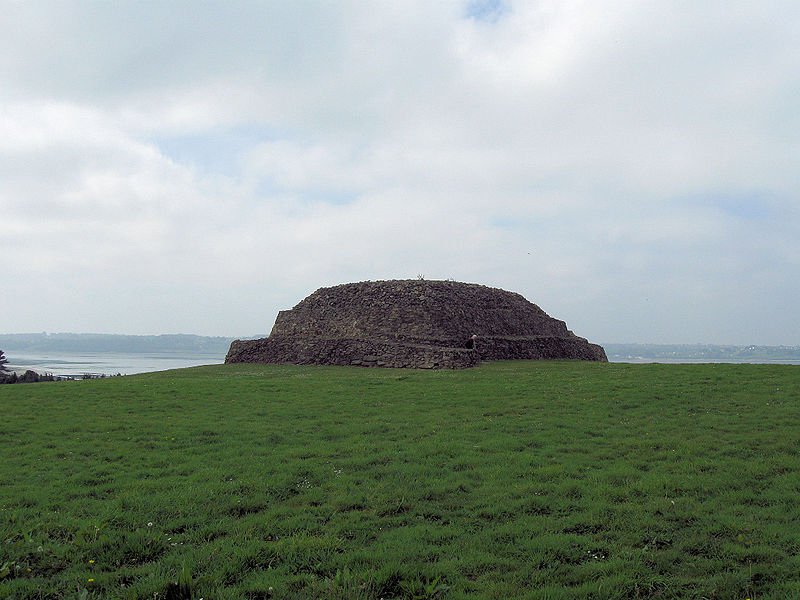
[
  {"x": 704, "y": 361},
  {"x": 111, "y": 363},
  {"x": 106, "y": 363}
]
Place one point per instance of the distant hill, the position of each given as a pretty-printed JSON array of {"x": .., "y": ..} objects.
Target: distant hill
[
  {"x": 101, "y": 342},
  {"x": 698, "y": 352}
]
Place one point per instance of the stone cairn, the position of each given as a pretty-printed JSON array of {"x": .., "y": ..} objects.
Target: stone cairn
[{"x": 413, "y": 324}]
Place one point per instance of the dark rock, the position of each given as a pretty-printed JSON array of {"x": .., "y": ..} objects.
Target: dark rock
[{"x": 413, "y": 323}]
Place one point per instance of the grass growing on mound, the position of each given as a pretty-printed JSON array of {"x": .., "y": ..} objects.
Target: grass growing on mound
[{"x": 513, "y": 480}]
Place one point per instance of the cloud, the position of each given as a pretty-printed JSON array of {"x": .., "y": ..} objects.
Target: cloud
[{"x": 179, "y": 167}]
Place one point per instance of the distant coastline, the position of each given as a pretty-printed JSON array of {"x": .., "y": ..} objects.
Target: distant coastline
[{"x": 103, "y": 342}]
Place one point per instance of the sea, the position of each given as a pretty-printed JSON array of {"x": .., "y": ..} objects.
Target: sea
[
  {"x": 704, "y": 361},
  {"x": 96, "y": 364}
]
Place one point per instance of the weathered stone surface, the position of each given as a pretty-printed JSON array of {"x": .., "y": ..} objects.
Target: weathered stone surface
[{"x": 415, "y": 324}]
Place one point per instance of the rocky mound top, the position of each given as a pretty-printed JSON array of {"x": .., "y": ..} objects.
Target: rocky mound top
[{"x": 413, "y": 323}]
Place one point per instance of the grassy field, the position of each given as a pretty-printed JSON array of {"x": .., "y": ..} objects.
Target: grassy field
[{"x": 512, "y": 480}]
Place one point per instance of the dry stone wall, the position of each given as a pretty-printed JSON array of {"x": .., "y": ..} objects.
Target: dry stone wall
[{"x": 413, "y": 323}]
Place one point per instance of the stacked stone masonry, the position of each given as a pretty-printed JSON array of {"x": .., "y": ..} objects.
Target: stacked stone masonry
[{"x": 413, "y": 324}]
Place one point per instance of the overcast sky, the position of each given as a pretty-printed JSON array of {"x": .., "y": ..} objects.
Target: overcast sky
[{"x": 631, "y": 167}]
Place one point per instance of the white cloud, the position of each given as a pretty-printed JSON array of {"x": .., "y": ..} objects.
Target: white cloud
[{"x": 629, "y": 166}]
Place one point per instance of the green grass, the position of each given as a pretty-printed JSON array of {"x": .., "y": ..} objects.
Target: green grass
[{"x": 513, "y": 480}]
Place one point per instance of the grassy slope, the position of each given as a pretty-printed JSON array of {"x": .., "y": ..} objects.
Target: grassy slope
[{"x": 514, "y": 480}]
